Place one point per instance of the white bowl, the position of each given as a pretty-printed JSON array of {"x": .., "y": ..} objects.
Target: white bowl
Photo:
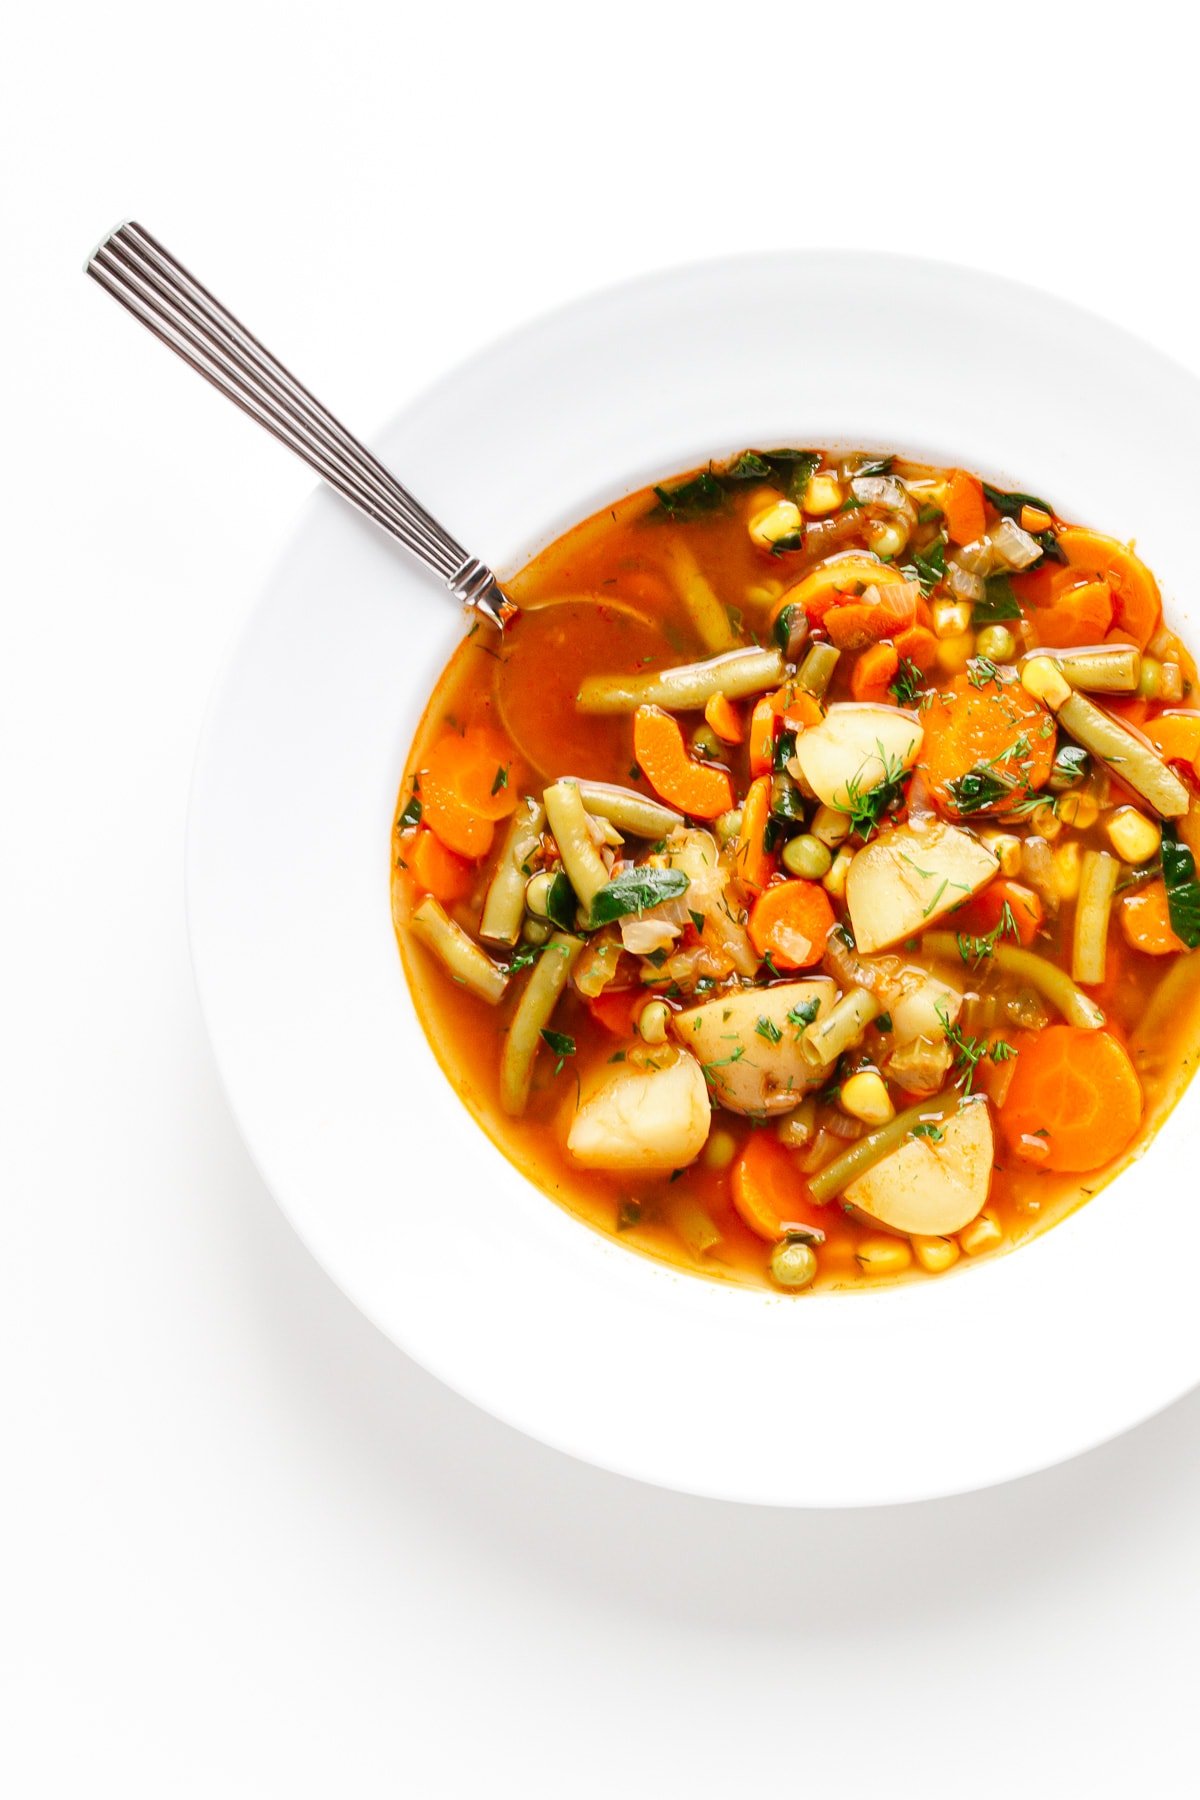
[{"x": 920, "y": 1390}]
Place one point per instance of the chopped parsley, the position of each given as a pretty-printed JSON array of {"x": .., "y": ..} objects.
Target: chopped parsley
[
  {"x": 927, "y": 1129},
  {"x": 906, "y": 683},
  {"x": 501, "y": 780},
  {"x": 999, "y": 603},
  {"x": 561, "y": 1044},
  {"x": 804, "y": 1013},
  {"x": 411, "y": 816},
  {"x": 767, "y": 1028}
]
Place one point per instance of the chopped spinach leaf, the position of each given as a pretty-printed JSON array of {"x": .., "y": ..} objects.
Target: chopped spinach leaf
[
  {"x": 561, "y": 1043},
  {"x": 1010, "y": 504},
  {"x": 930, "y": 565},
  {"x": 998, "y": 604},
  {"x": 560, "y": 902},
  {"x": 1183, "y": 890},
  {"x": 691, "y": 499},
  {"x": 501, "y": 780},
  {"x": 411, "y": 816},
  {"x": 634, "y": 891}
]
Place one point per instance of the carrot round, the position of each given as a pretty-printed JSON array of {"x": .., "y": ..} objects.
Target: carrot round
[
  {"x": 873, "y": 671},
  {"x": 790, "y": 922},
  {"x": 996, "y": 727},
  {"x": 1134, "y": 589},
  {"x": 917, "y": 645},
  {"x": 764, "y": 723},
  {"x": 458, "y": 825},
  {"x": 854, "y": 624},
  {"x": 965, "y": 519},
  {"x": 753, "y": 863},
  {"x": 840, "y": 575},
  {"x": 1075, "y": 1093},
  {"x": 798, "y": 708},
  {"x": 700, "y": 789},
  {"x": 984, "y": 913},
  {"x": 477, "y": 767},
  {"x": 1078, "y": 615},
  {"x": 1176, "y": 735},
  {"x": 722, "y": 717},
  {"x": 1146, "y": 921},
  {"x": 769, "y": 1191},
  {"x": 617, "y": 1009},
  {"x": 436, "y": 870}
]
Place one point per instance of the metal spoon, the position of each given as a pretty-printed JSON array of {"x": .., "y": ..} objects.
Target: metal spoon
[{"x": 157, "y": 290}]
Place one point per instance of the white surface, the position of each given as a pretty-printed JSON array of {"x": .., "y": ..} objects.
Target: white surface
[
  {"x": 248, "y": 1548},
  {"x": 346, "y": 1114}
]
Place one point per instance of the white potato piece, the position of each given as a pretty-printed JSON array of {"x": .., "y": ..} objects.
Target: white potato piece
[
  {"x": 925, "y": 1009},
  {"x": 856, "y": 747},
  {"x": 751, "y": 1049},
  {"x": 910, "y": 876},
  {"x": 651, "y": 1115},
  {"x": 931, "y": 1187}
]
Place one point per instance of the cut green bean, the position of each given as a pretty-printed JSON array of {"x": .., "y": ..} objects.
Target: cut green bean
[
  {"x": 877, "y": 1144},
  {"x": 692, "y": 1224},
  {"x": 1051, "y": 982},
  {"x": 798, "y": 1128},
  {"x": 631, "y": 812},
  {"x": 816, "y": 671},
  {"x": 842, "y": 1026},
  {"x": 1097, "y": 884},
  {"x": 458, "y": 953},
  {"x": 547, "y": 979},
  {"x": 1103, "y": 669},
  {"x": 504, "y": 904},
  {"x": 686, "y": 688},
  {"x": 568, "y": 821},
  {"x": 709, "y": 618},
  {"x": 1129, "y": 757}
]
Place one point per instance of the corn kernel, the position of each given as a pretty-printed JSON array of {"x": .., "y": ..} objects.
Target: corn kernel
[
  {"x": 1079, "y": 810},
  {"x": 763, "y": 594},
  {"x": 981, "y": 1234},
  {"x": 835, "y": 882},
  {"x": 886, "y": 537},
  {"x": 951, "y": 618},
  {"x": 822, "y": 495},
  {"x": 883, "y": 1255},
  {"x": 652, "y": 1022},
  {"x": 1133, "y": 836},
  {"x": 720, "y": 1149},
  {"x": 954, "y": 653},
  {"x": 1042, "y": 677},
  {"x": 1067, "y": 859},
  {"x": 1045, "y": 821},
  {"x": 864, "y": 1096},
  {"x": 780, "y": 520},
  {"x": 1005, "y": 848},
  {"x": 830, "y": 826},
  {"x": 935, "y": 1253},
  {"x": 1034, "y": 519}
]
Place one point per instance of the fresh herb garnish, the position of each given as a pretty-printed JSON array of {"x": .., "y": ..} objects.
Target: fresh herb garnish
[
  {"x": 561, "y": 1044},
  {"x": 629, "y": 1214},
  {"x": 501, "y": 780},
  {"x": 875, "y": 465},
  {"x": 692, "y": 499},
  {"x": 978, "y": 789},
  {"x": 697, "y": 919},
  {"x": 781, "y": 631},
  {"x": 1002, "y": 1050},
  {"x": 524, "y": 957},
  {"x": 560, "y": 902},
  {"x": 884, "y": 1022},
  {"x": 1183, "y": 890},
  {"x": 749, "y": 466},
  {"x": 803, "y": 1013},
  {"x": 975, "y": 950},
  {"x": 927, "y": 1129},
  {"x": 1011, "y": 506},
  {"x": 927, "y": 514},
  {"x": 967, "y": 1050},
  {"x": 785, "y": 749},
  {"x": 867, "y": 806},
  {"x": 998, "y": 604},
  {"x": 981, "y": 670},
  {"x": 767, "y": 1028},
  {"x": 906, "y": 683},
  {"x": 636, "y": 890},
  {"x": 411, "y": 816},
  {"x": 930, "y": 564}
]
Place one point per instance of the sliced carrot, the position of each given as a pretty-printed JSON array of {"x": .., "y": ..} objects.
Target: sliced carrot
[
  {"x": 860, "y": 622},
  {"x": 872, "y": 672},
  {"x": 764, "y": 725},
  {"x": 1078, "y": 615},
  {"x": 997, "y": 727},
  {"x": 1134, "y": 589},
  {"x": 984, "y": 913},
  {"x": 965, "y": 518},
  {"x": 790, "y": 922},
  {"x": 1146, "y": 921},
  {"x": 617, "y": 1009},
  {"x": 798, "y": 709},
  {"x": 478, "y": 767},
  {"x": 769, "y": 1191},
  {"x": 753, "y": 863},
  {"x": 723, "y": 717},
  {"x": 700, "y": 789},
  {"x": 458, "y": 825},
  {"x": 437, "y": 870},
  {"x": 917, "y": 645},
  {"x": 840, "y": 575},
  {"x": 1075, "y": 1091},
  {"x": 1176, "y": 735}
]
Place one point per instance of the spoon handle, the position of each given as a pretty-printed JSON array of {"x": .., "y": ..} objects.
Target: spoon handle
[{"x": 146, "y": 279}]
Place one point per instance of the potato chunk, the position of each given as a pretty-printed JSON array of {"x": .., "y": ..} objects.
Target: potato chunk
[
  {"x": 931, "y": 1186},
  {"x": 856, "y": 748},
  {"x": 909, "y": 877},
  {"x": 651, "y": 1115},
  {"x": 750, "y": 1047}
]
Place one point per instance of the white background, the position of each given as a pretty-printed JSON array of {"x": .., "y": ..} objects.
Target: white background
[{"x": 247, "y": 1548}]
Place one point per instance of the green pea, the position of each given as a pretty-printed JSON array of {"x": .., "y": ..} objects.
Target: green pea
[
  {"x": 729, "y": 825},
  {"x": 1150, "y": 680},
  {"x": 536, "y": 931},
  {"x": 807, "y": 857},
  {"x": 1071, "y": 766},
  {"x": 793, "y": 1263},
  {"x": 537, "y": 893},
  {"x": 706, "y": 743},
  {"x": 997, "y": 643}
]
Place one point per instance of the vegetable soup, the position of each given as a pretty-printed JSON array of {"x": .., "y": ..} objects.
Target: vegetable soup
[{"x": 802, "y": 887}]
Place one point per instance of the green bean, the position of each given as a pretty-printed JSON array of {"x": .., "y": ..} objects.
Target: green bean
[
  {"x": 877, "y": 1144},
  {"x": 458, "y": 953},
  {"x": 547, "y": 979},
  {"x": 581, "y": 860},
  {"x": 824, "y": 1040},
  {"x": 1137, "y": 765},
  {"x": 626, "y": 810},
  {"x": 692, "y": 1225},
  {"x": 798, "y": 1128},
  {"x": 504, "y": 905},
  {"x": 1051, "y": 982},
  {"x": 816, "y": 671},
  {"x": 1097, "y": 884},
  {"x": 1104, "y": 669},
  {"x": 709, "y": 618},
  {"x": 687, "y": 687}
]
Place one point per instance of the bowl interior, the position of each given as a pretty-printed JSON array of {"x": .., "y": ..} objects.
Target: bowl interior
[{"x": 923, "y": 1389}]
